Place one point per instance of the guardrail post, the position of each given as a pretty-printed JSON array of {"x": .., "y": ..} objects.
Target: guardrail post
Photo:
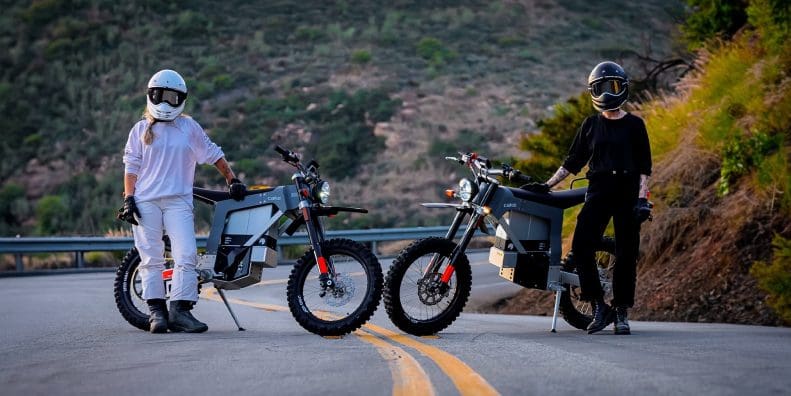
[
  {"x": 20, "y": 265},
  {"x": 80, "y": 262}
]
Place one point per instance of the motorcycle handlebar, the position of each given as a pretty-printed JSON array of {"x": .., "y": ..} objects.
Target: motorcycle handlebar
[
  {"x": 511, "y": 174},
  {"x": 288, "y": 155},
  {"x": 281, "y": 150}
]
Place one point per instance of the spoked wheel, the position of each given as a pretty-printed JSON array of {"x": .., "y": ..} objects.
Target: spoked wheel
[
  {"x": 577, "y": 312},
  {"x": 128, "y": 289},
  {"x": 418, "y": 302},
  {"x": 348, "y": 302}
]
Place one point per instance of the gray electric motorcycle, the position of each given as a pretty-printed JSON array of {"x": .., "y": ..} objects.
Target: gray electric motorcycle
[
  {"x": 332, "y": 290},
  {"x": 429, "y": 282}
]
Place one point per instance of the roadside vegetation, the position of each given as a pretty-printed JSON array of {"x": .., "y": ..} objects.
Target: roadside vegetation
[{"x": 718, "y": 247}]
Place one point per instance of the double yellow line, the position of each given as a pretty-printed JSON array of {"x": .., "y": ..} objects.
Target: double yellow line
[{"x": 408, "y": 375}]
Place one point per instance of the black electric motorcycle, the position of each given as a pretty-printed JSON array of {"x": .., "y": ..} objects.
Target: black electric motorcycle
[
  {"x": 332, "y": 290},
  {"x": 429, "y": 282}
]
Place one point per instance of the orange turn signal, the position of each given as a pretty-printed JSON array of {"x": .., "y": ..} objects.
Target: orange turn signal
[
  {"x": 450, "y": 193},
  {"x": 486, "y": 210}
]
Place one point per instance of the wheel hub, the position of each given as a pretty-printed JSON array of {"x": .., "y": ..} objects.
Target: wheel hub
[
  {"x": 431, "y": 290},
  {"x": 341, "y": 292}
]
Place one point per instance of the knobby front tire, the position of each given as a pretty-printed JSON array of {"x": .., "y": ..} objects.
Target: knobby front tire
[
  {"x": 342, "y": 310},
  {"x": 415, "y": 309}
]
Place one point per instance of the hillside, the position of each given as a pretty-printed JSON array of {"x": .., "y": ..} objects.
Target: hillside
[
  {"x": 368, "y": 88},
  {"x": 722, "y": 151}
]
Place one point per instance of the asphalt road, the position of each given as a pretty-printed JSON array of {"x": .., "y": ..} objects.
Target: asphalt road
[{"x": 62, "y": 335}]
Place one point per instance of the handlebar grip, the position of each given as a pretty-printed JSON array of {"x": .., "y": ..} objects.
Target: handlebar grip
[
  {"x": 520, "y": 177},
  {"x": 281, "y": 150}
]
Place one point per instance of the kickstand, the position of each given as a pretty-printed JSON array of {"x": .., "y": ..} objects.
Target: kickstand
[
  {"x": 557, "y": 308},
  {"x": 222, "y": 295}
]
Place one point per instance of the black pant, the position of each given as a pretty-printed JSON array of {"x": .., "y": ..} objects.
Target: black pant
[{"x": 608, "y": 196}]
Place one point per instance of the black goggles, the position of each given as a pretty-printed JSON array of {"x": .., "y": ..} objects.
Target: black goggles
[
  {"x": 170, "y": 96},
  {"x": 612, "y": 87}
]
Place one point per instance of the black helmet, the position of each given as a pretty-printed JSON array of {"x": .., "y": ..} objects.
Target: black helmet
[{"x": 608, "y": 85}]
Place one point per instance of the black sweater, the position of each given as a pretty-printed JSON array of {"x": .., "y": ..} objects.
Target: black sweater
[{"x": 610, "y": 145}]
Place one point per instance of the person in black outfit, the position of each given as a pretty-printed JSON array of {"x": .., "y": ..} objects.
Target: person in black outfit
[{"x": 614, "y": 145}]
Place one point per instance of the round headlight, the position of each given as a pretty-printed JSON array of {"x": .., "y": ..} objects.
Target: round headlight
[
  {"x": 323, "y": 192},
  {"x": 467, "y": 190}
]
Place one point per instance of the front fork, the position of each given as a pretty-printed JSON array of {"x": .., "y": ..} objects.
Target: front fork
[
  {"x": 316, "y": 237},
  {"x": 460, "y": 248}
]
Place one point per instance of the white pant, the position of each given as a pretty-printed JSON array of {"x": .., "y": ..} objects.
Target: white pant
[{"x": 173, "y": 214}]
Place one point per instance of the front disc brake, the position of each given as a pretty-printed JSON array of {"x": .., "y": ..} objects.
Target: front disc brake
[
  {"x": 341, "y": 292},
  {"x": 431, "y": 290}
]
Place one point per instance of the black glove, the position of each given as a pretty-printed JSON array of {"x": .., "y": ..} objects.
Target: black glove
[
  {"x": 538, "y": 188},
  {"x": 237, "y": 189},
  {"x": 642, "y": 211},
  {"x": 129, "y": 211}
]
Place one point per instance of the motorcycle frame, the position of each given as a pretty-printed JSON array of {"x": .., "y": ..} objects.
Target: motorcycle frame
[
  {"x": 490, "y": 204},
  {"x": 292, "y": 201}
]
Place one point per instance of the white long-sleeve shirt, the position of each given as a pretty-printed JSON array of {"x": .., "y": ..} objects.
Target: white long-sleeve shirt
[{"x": 166, "y": 167}]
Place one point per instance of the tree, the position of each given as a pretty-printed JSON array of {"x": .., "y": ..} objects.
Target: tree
[
  {"x": 548, "y": 147},
  {"x": 708, "y": 19}
]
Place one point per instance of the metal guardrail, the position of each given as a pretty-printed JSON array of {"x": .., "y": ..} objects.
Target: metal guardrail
[{"x": 80, "y": 245}]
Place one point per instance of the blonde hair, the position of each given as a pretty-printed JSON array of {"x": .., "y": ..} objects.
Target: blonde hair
[{"x": 148, "y": 136}]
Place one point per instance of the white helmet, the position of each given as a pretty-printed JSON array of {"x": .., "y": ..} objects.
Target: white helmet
[{"x": 167, "y": 93}]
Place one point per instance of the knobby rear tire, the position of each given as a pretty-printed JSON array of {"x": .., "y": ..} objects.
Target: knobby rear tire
[
  {"x": 122, "y": 289},
  {"x": 576, "y": 312},
  {"x": 395, "y": 277}
]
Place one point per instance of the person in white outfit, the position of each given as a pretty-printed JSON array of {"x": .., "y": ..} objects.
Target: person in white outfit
[{"x": 159, "y": 169}]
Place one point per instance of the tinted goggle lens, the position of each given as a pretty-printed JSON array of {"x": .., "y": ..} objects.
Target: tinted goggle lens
[
  {"x": 613, "y": 87},
  {"x": 171, "y": 97}
]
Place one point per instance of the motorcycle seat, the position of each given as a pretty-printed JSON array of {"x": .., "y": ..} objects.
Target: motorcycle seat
[
  {"x": 213, "y": 196},
  {"x": 558, "y": 199}
]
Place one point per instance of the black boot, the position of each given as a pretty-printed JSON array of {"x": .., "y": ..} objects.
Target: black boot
[
  {"x": 602, "y": 316},
  {"x": 621, "y": 321},
  {"x": 182, "y": 320},
  {"x": 158, "y": 317}
]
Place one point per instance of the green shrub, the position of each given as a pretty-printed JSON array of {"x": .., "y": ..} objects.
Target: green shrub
[
  {"x": 775, "y": 278},
  {"x": 742, "y": 154},
  {"x": 252, "y": 167},
  {"x": 99, "y": 259},
  {"x": 466, "y": 141},
  {"x": 14, "y": 209},
  {"x": 190, "y": 24},
  {"x": 308, "y": 33},
  {"x": 388, "y": 33},
  {"x": 772, "y": 19},
  {"x": 51, "y": 211},
  {"x": 345, "y": 129},
  {"x": 708, "y": 19},
  {"x": 434, "y": 51},
  {"x": 223, "y": 81},
  {"x": 440, "y": 148},
  {"x": 548, "y": 147},
  {"x": 43, "y": 11},
  {"x": 361, "y": 56}
]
